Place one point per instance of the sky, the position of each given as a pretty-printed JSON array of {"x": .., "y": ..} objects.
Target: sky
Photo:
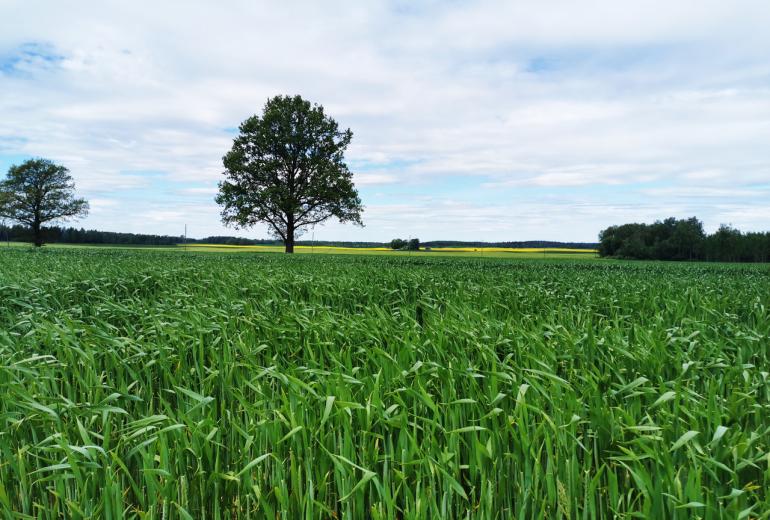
[{"x": 496, "y": 121}]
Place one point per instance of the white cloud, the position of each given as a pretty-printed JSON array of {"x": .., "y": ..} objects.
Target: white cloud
[
  {"x": 661, "y": 102},
  {"x": 696, "y": 192},
  {"x": 208, "y": 190},
  {"x": 374, "y": 179}
]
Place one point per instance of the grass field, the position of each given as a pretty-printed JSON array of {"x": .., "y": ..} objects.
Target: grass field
[{"x": 153, "y": 384}]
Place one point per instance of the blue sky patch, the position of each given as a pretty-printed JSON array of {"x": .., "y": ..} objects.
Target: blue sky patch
[
  {"x": 8, "y": 160},
  {"x": 27, "y": 57}
]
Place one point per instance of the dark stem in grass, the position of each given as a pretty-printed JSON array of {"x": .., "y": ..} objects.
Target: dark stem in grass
[{"x": 419, "y": 316}]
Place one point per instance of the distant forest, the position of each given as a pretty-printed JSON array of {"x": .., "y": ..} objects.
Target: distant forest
[
  {"x": 673, "y": 239},
  {"x": 70, "y": 235}
]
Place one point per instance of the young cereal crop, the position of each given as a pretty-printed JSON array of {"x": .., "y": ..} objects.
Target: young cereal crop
[{"x": 141, "y": 384}]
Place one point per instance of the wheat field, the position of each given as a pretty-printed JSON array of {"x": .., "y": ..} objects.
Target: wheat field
[{"x": 151, "y": 384}]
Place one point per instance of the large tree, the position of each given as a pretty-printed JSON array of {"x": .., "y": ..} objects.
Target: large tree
[
  {"x": 287, "y": 169},
  {"x": 39, "y": 191}
]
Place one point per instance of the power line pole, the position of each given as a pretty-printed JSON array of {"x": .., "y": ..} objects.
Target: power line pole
[
  {"x": 312, "y": 242},
  {"x": 7, "y": 233}
]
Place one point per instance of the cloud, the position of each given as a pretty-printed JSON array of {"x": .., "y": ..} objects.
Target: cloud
[
  {"x": 554, "y": 107},
  {"x": 715, "y": 193},
  {"x": 207, "y": 190},
  {"x": 374, "y": 179}
]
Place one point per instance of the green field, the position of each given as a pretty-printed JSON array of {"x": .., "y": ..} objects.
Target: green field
[{"x": 154, "y": 384}]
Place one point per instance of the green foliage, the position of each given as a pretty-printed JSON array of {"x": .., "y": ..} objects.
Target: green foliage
[
  {"x": 145, "y": 384},
  {"x": 287, "y": 169},
  {"x": 39, "y": 191},
  {"x": 413, "y": 244},
  {"x": 674, "y": 239}
]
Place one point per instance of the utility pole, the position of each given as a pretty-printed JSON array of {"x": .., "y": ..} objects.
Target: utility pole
[
  {"x": 7, "y": 232},
  {"x": 185, "y": 237}
]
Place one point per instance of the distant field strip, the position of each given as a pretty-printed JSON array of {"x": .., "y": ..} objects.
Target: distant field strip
[
  {"x": 152, "y": 384},
  {"x": 304, "y": 249},
  {"x": 363, "y": 250},
  {"x": 500, "y": 252},
  {"x": 512, "y": 250}
]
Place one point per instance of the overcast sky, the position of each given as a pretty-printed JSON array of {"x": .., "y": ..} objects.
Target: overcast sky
[{"x": 472, "y": 120}]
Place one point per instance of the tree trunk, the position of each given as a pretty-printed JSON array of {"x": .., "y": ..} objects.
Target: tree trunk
[
  {"x": 36, "y": 231},
  {"x": 289, "y": 243}
]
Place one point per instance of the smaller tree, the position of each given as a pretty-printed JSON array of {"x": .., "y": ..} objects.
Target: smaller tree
[
  {"x": 39, "y": 191},
  {"x": 397, "y": 243},
  {"x": 413, "y": 244}
]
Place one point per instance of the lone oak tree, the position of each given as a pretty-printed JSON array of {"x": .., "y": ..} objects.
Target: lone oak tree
[
  {"x": 287, "y": 169},
  {"x": 39, "y": 191}
]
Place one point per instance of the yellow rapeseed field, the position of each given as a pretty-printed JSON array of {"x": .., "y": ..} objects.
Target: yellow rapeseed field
[{"x": 364, "y": 250}]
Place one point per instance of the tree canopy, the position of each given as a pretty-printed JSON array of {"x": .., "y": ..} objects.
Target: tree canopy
[
  {"x": 413, "y": 244},
  {"x": 685, "y": 239},
  {"x": 39, "y": 191},
  {"x": 287, "y": 169}
]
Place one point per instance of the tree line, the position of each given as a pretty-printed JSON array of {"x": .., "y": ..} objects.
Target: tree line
[
  {"x": 72, "y": 235},
  {"x": 683, "y": 239}
]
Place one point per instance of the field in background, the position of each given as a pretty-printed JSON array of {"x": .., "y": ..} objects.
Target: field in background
[
  {"x": 499, "y": 252},
  {"x": 148, "y": 383},
  {"x": 492, "y": 252}
]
